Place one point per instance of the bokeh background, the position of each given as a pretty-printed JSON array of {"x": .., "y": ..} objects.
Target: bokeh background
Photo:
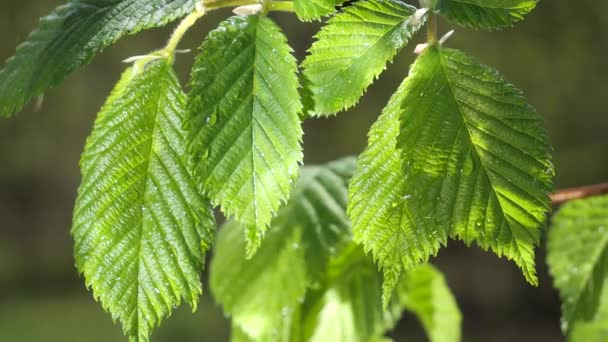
[{"x": 558, "y": 56}]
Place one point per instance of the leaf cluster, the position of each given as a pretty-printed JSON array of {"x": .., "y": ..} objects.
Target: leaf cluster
[{"x": 330, "y": 252}]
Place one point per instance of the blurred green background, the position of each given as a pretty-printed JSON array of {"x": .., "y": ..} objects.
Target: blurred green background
[{"x": 558, "y": 56}]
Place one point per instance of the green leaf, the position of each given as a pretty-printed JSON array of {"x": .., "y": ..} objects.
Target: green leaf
[
  {"x": 424, "y": 292},
  {"x": 476, "y": 156},
  {"x": 140, "y": 226},
  {"x": 379, "y": 202},
  {"x": 245, "y": 129},
  {"x": 486, "y": 14},
  {"x": 595, "y": 330},
  {"x": 70, "y": 37},
  {"x": 353, "y": 49},
  {"x": 578, "y": 261},
  {"x": 261, "y": 291},
  {"x": 308, "y": 10},
  {"x": 349, "y": 307}
]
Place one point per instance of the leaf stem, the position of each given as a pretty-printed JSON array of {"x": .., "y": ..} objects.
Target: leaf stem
[
  {"x": 180, "y": 31},
  {"x": 431, "y": 27},
  {"x": 216, "y": 4},
  {"x": 283, "y": 6},
  {"x": 562, "y": 196}
]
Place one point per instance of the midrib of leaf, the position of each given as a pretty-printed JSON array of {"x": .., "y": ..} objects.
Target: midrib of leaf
[{"x": 140, "y": 226}]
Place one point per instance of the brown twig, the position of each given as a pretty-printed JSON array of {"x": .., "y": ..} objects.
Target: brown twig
[{"x": 562, "y": 196}]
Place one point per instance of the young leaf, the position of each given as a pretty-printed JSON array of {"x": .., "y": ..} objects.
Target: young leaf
[
  {"x": 379, "y": 202},
  {"x": 578, "y": 261},
  {"x": 424, "y": 292},
  {"x": 353, "y": 49},
  {"x": 70, "y": 37},
  {"x": 476, "y": 156},
  {"x": 259, "y": 292},
  {"x": 245, "y": 129},
  {"x": 349, "y": 306},
  {"x": 140, "y": 226},
  {"x": 597, "y": 329},
  {"x": 308, "y": 10},
  {"x": 486, "y": 14}
]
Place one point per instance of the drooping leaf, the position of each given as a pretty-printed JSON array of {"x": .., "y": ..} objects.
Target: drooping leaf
[
  {"x": 379, "y": 202},
  {"x": 140, "y": 226},
  {"x": 71, "y": 36},
  {"x": 578, "y": 261},
  {"x": 476, "y": 156},
  {"x": 486, "y": 14},
  {"x": 424, "y": 292},
  {"x": 353, "y": 49},
  {"x": 261, "y": 291},
  {"x": 245, "y": 129},
  {"x": 308, "y": 10}
]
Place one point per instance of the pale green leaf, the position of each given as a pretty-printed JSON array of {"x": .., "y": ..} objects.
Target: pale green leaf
[
  {"x": 486, "y": 14},
  {"x": 308, "y": 10},
  {"x": 379, "y": 202},
  {"x": 245, "y": 129},
  {"x": 424, "y": 292},
  {"x": 71, "y": 36},
  {"x": 349, "y": 307},
  {"x": 353, "y": 49},
  {"x": 140, "y": 226},
  {"x": 341, "y": 300},
  {"x": 595, "y": 330},
  {"x": 476, "y": 156},
  {"x": 259, "y": 292},
  {"x": 578, "y": 261}
]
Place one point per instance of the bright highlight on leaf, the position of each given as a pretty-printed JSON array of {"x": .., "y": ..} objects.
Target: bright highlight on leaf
[
  {"x": 70, "y": 37},
  {"x": 578, "y": 261},
  {"x": 486, "y": 14},
  {"x": 141, "y": 228},
  {"x": 308, "y": 10},
  {"x": 245, "y": 130},
  {"x": 353, "y": 49}
]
